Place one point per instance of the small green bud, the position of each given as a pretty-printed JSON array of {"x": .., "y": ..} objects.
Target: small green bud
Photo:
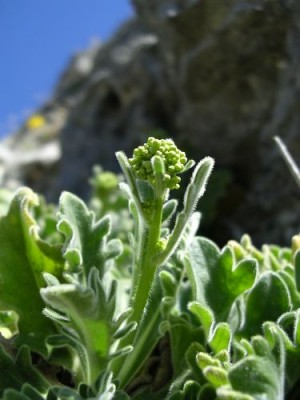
[
  {"x": 161, "y": 244},
  {"x": 158, "y": 165},
  {"x": 295, "y": 243},
  {"x": 159, "y": 156}
]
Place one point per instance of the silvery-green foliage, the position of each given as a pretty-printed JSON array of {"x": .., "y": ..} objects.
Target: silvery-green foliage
[{"x": 122, "y": 299}]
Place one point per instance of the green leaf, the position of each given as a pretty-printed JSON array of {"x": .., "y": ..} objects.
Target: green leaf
[
  {"x": 225, "y": 393},
  {"x": 14, "y": 395},
  {"x": 168, "y": 283},
  {"x": 297, "y": 269},
  {"x": 257, "y": 376},
  {"x": 289, "y": 280},
  {"x": 86, "y": 239},
  {"x": 194, "y": 191},
  {"x": 14, "y": 373},
  {"x": 215, "y": 277},
  {"x": 91, "y": 314},
  {"x": 182, "y": 335},
  {"x": 268, "y": 299},
  {"x": 27, "y": 393},
  {"x": 104, "y": 389},
  {"x": 86, "y": 315},
  {"x": 207, "y": 392},
  {"x": 196, "y": 187},
  {"x": 169, "y": 209},
  {"x": 288, "y": 327},
  {"x": 21, "y": 266},
  {"x": 145, "y": 190},
  {"x": 215, "y": 375},
  {"x": 261, "y": 374},
  {"x": 191, "y": 390},
  {"x": 218, "y": 335},
  {"x": 191, "y": 357}
]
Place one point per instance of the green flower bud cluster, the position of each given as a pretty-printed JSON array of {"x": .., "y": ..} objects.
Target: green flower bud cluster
[
  {"x": 107, "y": 180},
  {"x": 174, "y": 161}
]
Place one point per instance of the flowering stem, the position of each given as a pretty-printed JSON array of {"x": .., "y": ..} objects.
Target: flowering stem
[
  {"x": 147, "y": 265},
  {"x": 151, "y": 173}
]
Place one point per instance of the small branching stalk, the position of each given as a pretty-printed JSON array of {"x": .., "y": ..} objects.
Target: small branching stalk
[
  {"x": 157, "y": 164},
  {"x": 151, "y": 174}
]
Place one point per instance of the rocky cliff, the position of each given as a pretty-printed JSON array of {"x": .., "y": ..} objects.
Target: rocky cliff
[{"x": 222, "y": 77}]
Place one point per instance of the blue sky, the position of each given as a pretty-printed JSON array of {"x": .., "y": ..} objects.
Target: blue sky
[{"x": 37, "y": 38}]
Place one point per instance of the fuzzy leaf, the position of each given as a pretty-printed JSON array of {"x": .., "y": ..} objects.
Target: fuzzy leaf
[
  {"x": 145, "y": 190},
  {"x": 257, "y": 376},
  {"x": 21, "y": 266},
  {"x": 88, "y": 313},
  {"x": 267, "y": 300},
  {"x": 289, "y": 280},
  {"x": 262, "y": 373},
  {"x": 169, "y": 209},
  {"x": 191, "y": 357},
  {"x": 225, "y": 393},
  {"x": 191, "y": 390},
  {"x": 289, "y": 322},
  {"x": 215, "y": 375},
  {"x": 218, "y": 335},
  {"x": 14, "y": 373},
  {"x": 86, "y": 238},
  {"x": 215, "y": 277},
  {"x": 91, "y": 313},
  {"x": 182, "y": 335},
  {"x": 194, "y": 191},
  {"x": 27, "y": 393},
  {"x": 207, "y": 392},
  {"x": 168, "y": 283},
  {"x": 198, "y": 184}
]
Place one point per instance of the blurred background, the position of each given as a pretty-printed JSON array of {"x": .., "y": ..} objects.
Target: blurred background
[
  {"x": 37, "y": 40},
  {"x": 82, "y": 79}
]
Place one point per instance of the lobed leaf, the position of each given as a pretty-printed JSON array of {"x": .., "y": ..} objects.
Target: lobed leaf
[
  {"x": 218, "y": 335},
  {"x": 215, "y": 277},
  {"x": 86, "y": 239},
  {"x": 21, "y": 266},
  {"x": 14, "y": 373},
  {"x": 91, "y": 313},
  {"x": 268, "y": 299}
]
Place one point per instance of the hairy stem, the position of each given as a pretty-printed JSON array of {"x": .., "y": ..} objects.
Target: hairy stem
[
  {"x": 146, "y": 264},
  {"x": 146, "y": 267}
]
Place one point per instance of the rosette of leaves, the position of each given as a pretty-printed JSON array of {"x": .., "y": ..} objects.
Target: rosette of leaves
[
  {"x": 250, "y": 319},
  {"x": 88, "y": 313},
  {"x": 65, "y": 305}
]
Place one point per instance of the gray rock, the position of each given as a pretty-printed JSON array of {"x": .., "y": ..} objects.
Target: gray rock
[
  {"x": 31, "y": 155},
  {"x": 221, "y": 77}
]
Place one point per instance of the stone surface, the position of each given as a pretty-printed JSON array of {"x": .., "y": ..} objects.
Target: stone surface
[{"x": 222, "y": 77}]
